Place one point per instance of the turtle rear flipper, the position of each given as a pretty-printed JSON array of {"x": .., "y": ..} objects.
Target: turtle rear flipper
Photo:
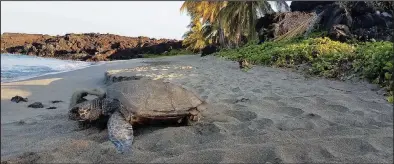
[{"x": 120, "y": 133}]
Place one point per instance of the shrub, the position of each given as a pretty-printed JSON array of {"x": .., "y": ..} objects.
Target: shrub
[{"x": 375, "y": 61}]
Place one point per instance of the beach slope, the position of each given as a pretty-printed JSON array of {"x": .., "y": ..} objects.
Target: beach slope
[{"x": 262, "y": 115}]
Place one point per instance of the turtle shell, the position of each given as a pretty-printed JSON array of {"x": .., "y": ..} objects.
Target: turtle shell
[{"x": 153, "y": 98}]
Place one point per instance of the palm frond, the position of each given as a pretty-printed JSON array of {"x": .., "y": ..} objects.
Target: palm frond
[{"x": 223, "y": 21}]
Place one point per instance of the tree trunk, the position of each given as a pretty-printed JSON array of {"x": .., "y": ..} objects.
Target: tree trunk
[
  {"x": 238, "y": 39},
  {"x": 221, "y": 35}
]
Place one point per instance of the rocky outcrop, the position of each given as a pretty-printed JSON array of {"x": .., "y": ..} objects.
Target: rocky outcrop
[
  {"x": 148, "y": 48},
  {"x": 365, "y": 20},
  {"x": 361, "y": 20},
  {"x": 85, "y": 47}
]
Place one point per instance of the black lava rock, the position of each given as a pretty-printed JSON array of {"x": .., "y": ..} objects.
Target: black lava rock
[
  {"x": 18, "y": 99},
  {"x": 210, "y": 49},
  {"x": 36, "y": 105}
]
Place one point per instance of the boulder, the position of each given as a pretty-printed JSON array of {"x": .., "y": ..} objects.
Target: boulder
[
  {"x": 340, "y": 32},
  {"x": 18, "y": 99},
  {"x": 361, "y": 8},
  {"x": 368, "y": 20},
  {"x": 362, "y": 20},
  {"x": 336, "y": 14},
  {"x": 36, "y": 105},
  {"x": 307, "y": 6},
  {"x": 210, "y": 49}
]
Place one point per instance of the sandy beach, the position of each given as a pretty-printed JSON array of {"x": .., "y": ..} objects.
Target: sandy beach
[{"x": 264, "y": 115}]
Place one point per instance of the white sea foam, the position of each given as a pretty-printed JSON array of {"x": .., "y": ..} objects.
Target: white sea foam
[{"x": 22, "y": 67}]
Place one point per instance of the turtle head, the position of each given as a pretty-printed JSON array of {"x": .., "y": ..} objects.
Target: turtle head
[
  {"x": 92, "y": 110},
  {"x": 87, "y": 111}
]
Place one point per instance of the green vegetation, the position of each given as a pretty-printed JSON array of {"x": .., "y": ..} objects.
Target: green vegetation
[
  {"x": 226, "y": 23},
  {"x": 170, "y": 53},
  {"x": 324, "y": 57},
  {"x": 375, "y": 62}
]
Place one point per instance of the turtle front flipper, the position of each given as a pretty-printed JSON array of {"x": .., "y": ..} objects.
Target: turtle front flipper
[{"x": 120, "y": 133}]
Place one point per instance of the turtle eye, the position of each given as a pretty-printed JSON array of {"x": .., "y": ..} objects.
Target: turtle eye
[{"x": 83, "y": 111}]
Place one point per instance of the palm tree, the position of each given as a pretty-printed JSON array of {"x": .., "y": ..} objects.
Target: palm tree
[
  {"x": 240, "y": 17},
  {"x": 215, "y": 27},
  {"x": 207, "y": 11},
  {"x": 225, "y": 21},
  {"x": 194, "y": 38}
]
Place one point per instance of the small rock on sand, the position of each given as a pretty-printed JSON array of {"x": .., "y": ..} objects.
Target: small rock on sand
[
  {"x": 28, "y": 157},
  {"x": 56, "y": 101},
  {"x": 36, "y": 105},
  {"x": 52, "y": 107},
  {"x": 18, "y": 99}
]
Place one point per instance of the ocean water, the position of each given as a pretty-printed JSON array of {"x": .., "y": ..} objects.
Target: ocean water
[{"x": 22, "y": 67}]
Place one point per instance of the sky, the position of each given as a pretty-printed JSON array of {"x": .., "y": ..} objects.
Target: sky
[
  {"x": 158, "y": 19},
  {"x": 128, "y": 18}
]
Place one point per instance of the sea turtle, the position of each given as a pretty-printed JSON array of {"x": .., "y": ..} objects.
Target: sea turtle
[{"x": 137, "y": 101}]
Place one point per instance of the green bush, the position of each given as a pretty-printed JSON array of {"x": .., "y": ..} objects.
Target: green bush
[
  {"x": 323, "y": 57},
  {"x": 375, "y": 61}
]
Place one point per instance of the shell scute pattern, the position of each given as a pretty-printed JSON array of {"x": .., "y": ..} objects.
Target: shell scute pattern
[{"x": 153, "y": 96}]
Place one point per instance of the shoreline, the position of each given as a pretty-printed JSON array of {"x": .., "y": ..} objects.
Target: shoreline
[
  {"x": 91, "y": 64},
  {"x": 88, "y": 77},
  {"x": 271, "y": 115},
  {"x": 51, "y": 73},
  {"x": 354, "y": 79}
]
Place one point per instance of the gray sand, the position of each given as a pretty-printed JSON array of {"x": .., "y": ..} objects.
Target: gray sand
[{"x": 263, "y": 115}]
